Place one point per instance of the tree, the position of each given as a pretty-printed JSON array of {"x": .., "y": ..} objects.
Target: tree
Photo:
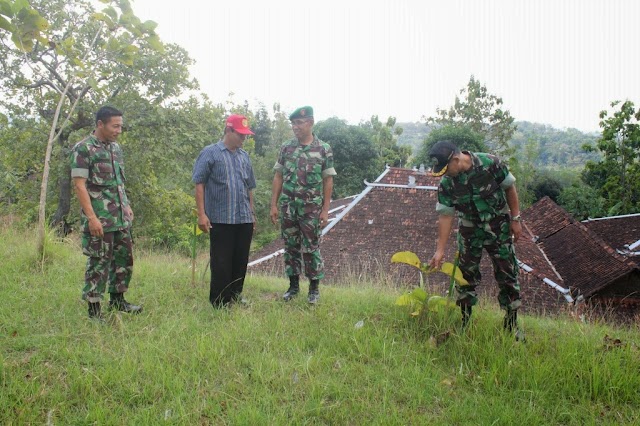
[
  {"x": 582, "y": 201},
  {"x": 461, "y": 135},
  {"x": 617, "y": 175},
  {"x": 481, "y": 112},
  {"x": 88, "y": 58},
  {"x": 522, "y": 166},
  {"x": 354, "y": 154},
  {"x": 546, "y": 185},
  {"x": 385, "y": 140}
]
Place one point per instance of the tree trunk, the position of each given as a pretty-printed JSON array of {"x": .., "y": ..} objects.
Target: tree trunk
[{"x": 59, "y": 218}]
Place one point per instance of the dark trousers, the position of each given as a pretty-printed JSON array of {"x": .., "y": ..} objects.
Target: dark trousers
[{"x": 229, "y": 252}]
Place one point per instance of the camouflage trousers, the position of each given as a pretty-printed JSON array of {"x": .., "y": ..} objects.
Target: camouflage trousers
[
  {"x": 301, "y": 233},
  {"x": 495, "y": 238},
  {"x": 110, "y": 261}
]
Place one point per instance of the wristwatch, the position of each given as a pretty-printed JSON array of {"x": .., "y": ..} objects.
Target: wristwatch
[{"x": 516, "y": 218}]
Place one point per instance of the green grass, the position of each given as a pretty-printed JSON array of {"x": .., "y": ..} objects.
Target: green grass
[{"x": 182, "y": 362}]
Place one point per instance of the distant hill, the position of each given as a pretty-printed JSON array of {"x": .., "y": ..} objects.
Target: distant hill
[{"x": 558, "y": 147}]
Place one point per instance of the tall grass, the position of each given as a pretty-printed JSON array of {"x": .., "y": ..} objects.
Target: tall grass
[{"x": 353, "y": 359}]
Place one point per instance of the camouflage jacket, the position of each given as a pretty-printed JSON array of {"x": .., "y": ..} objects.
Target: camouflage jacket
[
  {"x": 303, "y": 167},
  {"x": 478, "y": 194},
  {"x": 103, "y": 167}
]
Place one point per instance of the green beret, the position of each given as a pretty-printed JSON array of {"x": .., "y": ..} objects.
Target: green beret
[{"x": 302, "y": 112}]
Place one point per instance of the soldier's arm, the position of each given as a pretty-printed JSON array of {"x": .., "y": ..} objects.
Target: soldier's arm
[
  {"x": 514, "y": 206},
  {"x": 445, "y": 223},
  {"x": 327, "y": 190},
  {"x": 95, "y": 226},
  {"x": 276, "y": 190}
]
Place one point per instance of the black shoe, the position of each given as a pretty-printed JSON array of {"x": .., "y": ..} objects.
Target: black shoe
[
  {"x": 118, "y": 303},
  {"x": 314, "y": 292},
  {"x": 94, "y": 311},
  {"x": 510, "y": 324},
  {"x": 466, "y": 314},
  {"x": 294, "y": 288}
]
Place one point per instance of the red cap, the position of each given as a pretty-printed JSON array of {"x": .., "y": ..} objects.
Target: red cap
[{"x": 240, "y": 124}]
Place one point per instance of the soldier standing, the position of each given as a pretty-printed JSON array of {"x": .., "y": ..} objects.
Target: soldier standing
[
  {"x": 98, "y": 173},
  {"x": 302, "y": 187},
  {"x": 480, "y": 188}
]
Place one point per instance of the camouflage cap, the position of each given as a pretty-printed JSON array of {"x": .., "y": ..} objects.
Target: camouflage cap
[{"x": 302, "y": 112}]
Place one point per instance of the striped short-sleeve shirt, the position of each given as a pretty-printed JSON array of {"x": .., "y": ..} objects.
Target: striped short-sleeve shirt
[{"x": 228, "y": 178}]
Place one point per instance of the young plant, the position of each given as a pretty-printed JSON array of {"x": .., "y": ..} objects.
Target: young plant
[{"x": 418, "y": 299}]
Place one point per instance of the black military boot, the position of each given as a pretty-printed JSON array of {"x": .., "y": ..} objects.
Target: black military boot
[
  {"x": 294, "y": 288},
  {"x": 510, "y": 324},
  {"x": 94, "y": 311},
  {"x": 314, "y": 292},
  {"x": 118, "y": 303},
  {"x": 466, "y": 314}
]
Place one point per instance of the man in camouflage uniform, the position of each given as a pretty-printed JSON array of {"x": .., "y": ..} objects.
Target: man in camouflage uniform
[
  {"x": 302, "y": 187},
  {"x": 98, "y": 176},
  {"x": 480, "y": 188}
]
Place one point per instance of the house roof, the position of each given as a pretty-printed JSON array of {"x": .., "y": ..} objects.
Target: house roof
[
  {"x": 620, "y": 232},
  {"x": 391, "y": 216},
  {"x": 582, "y": 258}
]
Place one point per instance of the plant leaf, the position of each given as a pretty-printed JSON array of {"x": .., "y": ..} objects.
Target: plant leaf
[
  {"x": 408, "y": 257},
  {"x": 447, "y": 268},
  {"x": 436, "y": 303}
]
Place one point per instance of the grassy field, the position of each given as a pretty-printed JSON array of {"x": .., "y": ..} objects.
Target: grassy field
[{"x": 355, "y": 359}]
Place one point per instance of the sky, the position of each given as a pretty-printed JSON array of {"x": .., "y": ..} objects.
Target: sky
[{"x": 555, "y": 62}]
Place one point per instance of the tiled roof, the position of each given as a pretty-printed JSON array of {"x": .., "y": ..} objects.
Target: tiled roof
[
  {"x": 617, "y": 231},
  {"x": 583, "y": 259}
]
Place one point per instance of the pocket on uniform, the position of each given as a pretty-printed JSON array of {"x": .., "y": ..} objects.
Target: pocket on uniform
[
  {"x": 102, "y": 174},
  {"x": 92, "y": 246}
]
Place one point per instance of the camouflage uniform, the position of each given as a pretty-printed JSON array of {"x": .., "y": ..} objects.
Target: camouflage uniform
[
  {"x": 303, "y": 168},
  {"x": 110, "y": 258},
  {"x": 479, "y": 198}
]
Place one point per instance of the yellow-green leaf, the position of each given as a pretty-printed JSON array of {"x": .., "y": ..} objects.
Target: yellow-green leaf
[
  {"x": 448, "y": 267},
  {"x": 408, "y": 257},
  {"x": 5, "y": 25},
  {"x": 404, "y": 300},
  {"x": 155, "y": 43},
  {"x": 419, "y": 294}
]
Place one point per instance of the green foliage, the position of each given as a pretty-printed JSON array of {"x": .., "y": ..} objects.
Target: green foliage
[
  {"x": 481, "y": 112},
  {"x": 617, "y": 175},
  {"x": 354, "y": 155},
  {"x": 461, "y": 135},
  {"x": 87, "y": 58},
  {"x": 582, "y": 201},
  {"x": 23, "y": 23},
  {"x": 546, "y": 185},
  {"x": 385, "y": 141}
]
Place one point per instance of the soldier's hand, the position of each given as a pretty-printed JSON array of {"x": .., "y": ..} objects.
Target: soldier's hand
[
  {"x": 129, "y": 213},
  {"x": 516, "y": 230},
  {"x": 436, "y": 260},
  {"x": 203, "y": 223},
  {"x": 324, "y": 218},
  {"x": 274, "y": 215},
  {"x": 95, "y": 227}
]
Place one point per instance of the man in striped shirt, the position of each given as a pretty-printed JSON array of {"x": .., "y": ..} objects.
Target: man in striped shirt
[{"x": 224, "y": 181}]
